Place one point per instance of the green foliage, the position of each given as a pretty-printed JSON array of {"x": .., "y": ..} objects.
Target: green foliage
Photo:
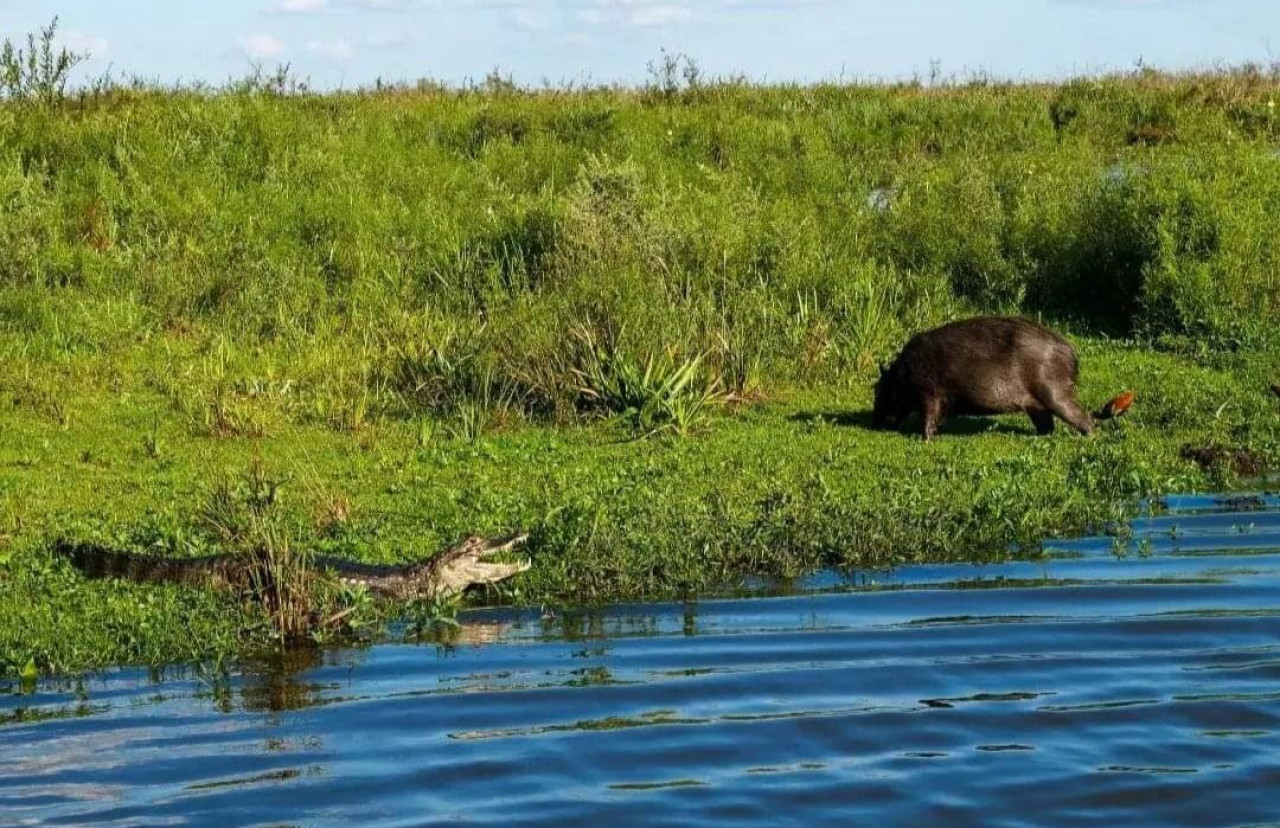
[
  {"x": 423, "y": 299},
  {"x": 246, "y": 516},
  {"x": 672, "y": 75},
  {"x": 658, "y": 394},
  {"x": 41, "y": 71},
  {"x": 353, "y": 257}
]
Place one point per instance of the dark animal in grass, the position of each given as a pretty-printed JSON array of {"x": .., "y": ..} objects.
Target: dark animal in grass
[
  {"x": 1239, "y": 461},
  {"x": 444, "y": 575},
  {"x": 1275, "y": 388},
  {"x": 982, "y": 366}
]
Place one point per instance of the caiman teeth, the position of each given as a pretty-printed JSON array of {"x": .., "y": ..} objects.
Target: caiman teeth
[{"x": 507, "y": 545}]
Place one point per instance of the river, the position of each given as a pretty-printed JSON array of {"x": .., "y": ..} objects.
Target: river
[{"x": 1111, "y": 683}]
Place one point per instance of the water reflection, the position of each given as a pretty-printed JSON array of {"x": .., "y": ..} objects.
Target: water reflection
[{"x": 280, "y": 681}]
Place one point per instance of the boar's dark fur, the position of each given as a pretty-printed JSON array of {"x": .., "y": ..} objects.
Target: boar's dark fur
[{"x": 980, "y": 366}]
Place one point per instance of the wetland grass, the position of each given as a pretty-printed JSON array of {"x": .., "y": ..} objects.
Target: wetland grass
[{"x": 432, "y": 312}]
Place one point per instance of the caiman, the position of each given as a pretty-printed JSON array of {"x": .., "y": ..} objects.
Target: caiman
[{"x": 441, "y": 576}]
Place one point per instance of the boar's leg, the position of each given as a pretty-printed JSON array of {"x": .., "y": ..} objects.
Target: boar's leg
[
  {"x": 931, "y": 416},
  {"x": 1065, "y": 406},
  {"x": 1042, "y": 420}
]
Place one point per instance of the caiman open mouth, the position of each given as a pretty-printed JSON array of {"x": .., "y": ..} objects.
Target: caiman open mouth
[
  {"x": 445, "y": 575},
  {"x": 482, "y": 571}
]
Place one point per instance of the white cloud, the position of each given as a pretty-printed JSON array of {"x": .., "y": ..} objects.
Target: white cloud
[
  {"x": 91, "y": 45},
  {"x": 528, "y": 20},
  {"x": 301, "y": 6},
  {"x": 639, "y": 13},
  {"x": 660, "y": 15},
  {"x": 261, "y": 46},
  {"x": 337, "y": 48}
]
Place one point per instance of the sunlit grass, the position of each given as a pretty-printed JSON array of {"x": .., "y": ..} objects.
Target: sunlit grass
[{"x": 428, "y": 312}]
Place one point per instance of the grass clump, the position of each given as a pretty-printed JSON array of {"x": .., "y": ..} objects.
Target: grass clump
[
  {"x": 246, "y": 520},
  {"x": 662, "y": 393}
]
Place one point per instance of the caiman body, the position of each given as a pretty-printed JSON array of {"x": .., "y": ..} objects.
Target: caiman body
[{"x": 441, "y": 576}]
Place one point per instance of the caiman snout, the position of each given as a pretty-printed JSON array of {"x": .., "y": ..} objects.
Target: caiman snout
[
  {"x": 467, "y": 563},
  {"x": 497, "y": 547}
]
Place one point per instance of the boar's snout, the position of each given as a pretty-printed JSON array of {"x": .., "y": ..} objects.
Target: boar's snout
[{"x": 884, "y": 413}]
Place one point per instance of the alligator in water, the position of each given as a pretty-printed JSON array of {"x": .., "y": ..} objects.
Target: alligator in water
[{"x": 442, "y": 576}]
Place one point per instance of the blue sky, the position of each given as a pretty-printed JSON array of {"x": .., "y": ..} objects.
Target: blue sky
[{"x": 352, "y": 42}]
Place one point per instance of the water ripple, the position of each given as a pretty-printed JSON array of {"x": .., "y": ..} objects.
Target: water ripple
[{"x": 1128, "y": 679}]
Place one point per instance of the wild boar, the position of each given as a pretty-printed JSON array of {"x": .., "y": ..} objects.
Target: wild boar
[{"x": 982, "y": 366}]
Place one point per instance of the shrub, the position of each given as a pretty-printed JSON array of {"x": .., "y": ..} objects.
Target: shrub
[
  {"x": 40, "y": 72},
  {"x": 656, "y": 394}
]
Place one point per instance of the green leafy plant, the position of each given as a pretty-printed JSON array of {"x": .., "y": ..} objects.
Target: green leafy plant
[
  {"x": 40, "y": 72},
  {"x": 662, "y": 393}
]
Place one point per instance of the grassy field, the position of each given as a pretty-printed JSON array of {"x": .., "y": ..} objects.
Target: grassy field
[{"x": 641, "y": 323}]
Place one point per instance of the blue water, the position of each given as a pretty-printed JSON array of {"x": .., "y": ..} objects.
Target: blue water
[{"x": 1111, "y": 684}]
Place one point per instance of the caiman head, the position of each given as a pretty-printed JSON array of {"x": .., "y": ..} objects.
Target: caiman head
[{"x": 468, "y": 563}]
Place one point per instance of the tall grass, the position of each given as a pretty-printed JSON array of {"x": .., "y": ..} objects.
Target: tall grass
[
  {"x": 245, "y": 517},
  {"x": 275, "y": 255},
  {"x": 40, "y": 72},
  {"x": 659, "y": 394}
]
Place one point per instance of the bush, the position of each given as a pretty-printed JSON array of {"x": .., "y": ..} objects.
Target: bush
[{"x": 40, "y": 72}]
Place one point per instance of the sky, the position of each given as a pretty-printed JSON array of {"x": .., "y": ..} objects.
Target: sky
[{"x": 350, "y": 43}]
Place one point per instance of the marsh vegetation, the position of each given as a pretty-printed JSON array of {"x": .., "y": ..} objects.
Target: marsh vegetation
[{"x": 641, "y": 323}]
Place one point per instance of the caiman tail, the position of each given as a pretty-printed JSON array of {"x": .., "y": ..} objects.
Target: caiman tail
[{"x": 97, "y": 561}]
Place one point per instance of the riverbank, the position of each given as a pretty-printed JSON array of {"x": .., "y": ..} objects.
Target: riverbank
[
  {"x": 641, "y": 324},
  {"x": 783, "y": 486},
  {"x": 1081, "y": 684}
]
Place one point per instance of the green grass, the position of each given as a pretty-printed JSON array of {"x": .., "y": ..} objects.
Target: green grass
[
  {"x": 426, "y": 312},
  {"x": 780, "y": 488}
]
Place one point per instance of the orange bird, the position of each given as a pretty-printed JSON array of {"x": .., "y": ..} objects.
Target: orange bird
[{"x": 1115, "y": 406}]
